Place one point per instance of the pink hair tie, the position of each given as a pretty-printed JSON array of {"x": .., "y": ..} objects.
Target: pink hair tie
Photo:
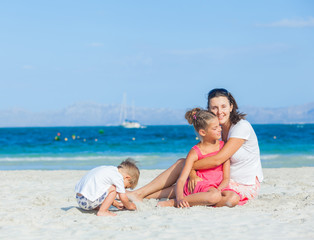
[{"x": 194, "y": 116}]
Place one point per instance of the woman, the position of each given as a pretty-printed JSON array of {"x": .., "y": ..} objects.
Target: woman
[{"x": 241, "y": 147}]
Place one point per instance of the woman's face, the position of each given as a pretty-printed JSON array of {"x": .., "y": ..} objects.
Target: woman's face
[{"x": 221, "y": 107}]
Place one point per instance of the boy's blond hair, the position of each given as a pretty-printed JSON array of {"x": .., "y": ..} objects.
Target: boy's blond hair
[{"x": 130, "y": 168}]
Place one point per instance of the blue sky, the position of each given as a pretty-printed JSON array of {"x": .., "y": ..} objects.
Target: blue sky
[{"x": 160, "y": 53}]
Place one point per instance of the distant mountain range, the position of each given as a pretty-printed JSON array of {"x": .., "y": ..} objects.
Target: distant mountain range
[
  {"x": 293, "y": 114},
  {"x": 91, "y": 114}
]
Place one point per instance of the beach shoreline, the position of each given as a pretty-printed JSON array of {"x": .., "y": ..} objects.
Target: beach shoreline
[{"x": 39, "y": 204}]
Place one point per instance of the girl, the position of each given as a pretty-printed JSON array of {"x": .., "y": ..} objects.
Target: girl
[{"x": 215, "y": 180}]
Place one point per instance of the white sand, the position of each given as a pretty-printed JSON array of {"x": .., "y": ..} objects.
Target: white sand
[{"x": 41, "y": 205}]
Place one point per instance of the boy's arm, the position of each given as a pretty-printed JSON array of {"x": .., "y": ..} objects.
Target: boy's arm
[
  {"x": 126, "y": 203},
  {"x": 226, "y": 176},
  {"x": 117, "y": 204}
]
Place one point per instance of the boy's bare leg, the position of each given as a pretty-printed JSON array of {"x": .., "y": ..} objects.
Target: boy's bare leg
[
  {"x": 103, "y": 210},
  {"x": 162, "y": 181}
]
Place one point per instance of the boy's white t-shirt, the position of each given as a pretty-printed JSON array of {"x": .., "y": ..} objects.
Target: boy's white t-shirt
[
  {"x": 245, "y": 164},
  {"x": 98, "y": 180}
]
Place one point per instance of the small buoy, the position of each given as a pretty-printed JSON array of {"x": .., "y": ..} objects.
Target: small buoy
[
  {"x": 96, "y": 139},
  {"x": 101, "y": 131},
  {"x": 84, "y": 140},
  {"x": 133, "y": 139},
  {"x": 196, "y": 138},
  {"x": 73, "y": 136},
  {"x": 59, "y": 134},
  {"x": 57, "y": 138},
  {"x": 275, "y": 137},
  {"x": 65, "y": 139}
]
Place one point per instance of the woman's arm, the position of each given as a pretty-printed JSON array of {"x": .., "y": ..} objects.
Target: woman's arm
[
  {"x": 232, "y": 145},
  {"x": 190, "y": 159},
  {"x": 226, "y": 176}
]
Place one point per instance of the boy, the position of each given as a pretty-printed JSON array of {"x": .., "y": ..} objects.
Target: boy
[{"x": 99, "y": 187}]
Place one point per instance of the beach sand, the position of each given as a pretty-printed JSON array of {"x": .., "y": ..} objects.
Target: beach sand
[{"x": 41, "y": 205}]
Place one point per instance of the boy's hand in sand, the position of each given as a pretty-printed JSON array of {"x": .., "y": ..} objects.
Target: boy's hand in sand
[
  {"x": 193, "y": 180},
  {"x": 126, "y": 203},
  {"x": 132, "y": 206},
  {"x": 182, "y": 204},
  {"x": 118, "y": 205}
]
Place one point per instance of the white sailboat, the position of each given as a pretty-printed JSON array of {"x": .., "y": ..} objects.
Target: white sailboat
[{"x": 127, "y": 123}]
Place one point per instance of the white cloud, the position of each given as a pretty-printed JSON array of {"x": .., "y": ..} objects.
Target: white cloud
[
  {"x": 96, "y": 44},
  {"x": 27, "y": 67},
  {"x": 216, "y": 53},
  {"x": 136, "y": 60},
  {"x": 225, "y": 52},
  {"x": 291, "y": 23}
]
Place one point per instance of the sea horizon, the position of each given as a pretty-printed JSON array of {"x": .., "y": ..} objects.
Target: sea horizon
[
  {"x": 147, "y": 125},
  {"x": 153, "y": 147}
]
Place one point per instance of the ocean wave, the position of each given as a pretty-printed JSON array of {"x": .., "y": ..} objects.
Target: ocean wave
[
  {"x": 33, "y": 159},
  {"x": 82, "y": 158},
  {"x": 149, "y": 161},
  {"x": 270, "y": 157}
]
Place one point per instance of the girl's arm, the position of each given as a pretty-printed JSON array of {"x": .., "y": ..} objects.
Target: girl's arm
[
  {"x": 226, "y": 175},
  {"x": 190, "y": 159},
  {"x": 232, "y": 145},
  {"x": 126, "y": 203},
  {"x": 193, "y": 180}
]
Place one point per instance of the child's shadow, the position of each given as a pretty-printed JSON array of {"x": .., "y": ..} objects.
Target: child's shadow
[{"x": 112, "y": 209}]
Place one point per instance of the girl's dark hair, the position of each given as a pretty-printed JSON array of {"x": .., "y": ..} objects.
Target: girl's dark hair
[
  {"x": 199, "y": 118},
  {"x": 235, "y": 115}
]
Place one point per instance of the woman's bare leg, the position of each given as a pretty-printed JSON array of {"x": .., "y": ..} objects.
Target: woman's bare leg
[
  {"x": 229, "y": 199},
  {"x": 162, "y": 181},
  {"x": 168, "y": 192}
]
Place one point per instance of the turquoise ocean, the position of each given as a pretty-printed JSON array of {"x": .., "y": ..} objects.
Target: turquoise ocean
[{"x": 153, "y": 147}]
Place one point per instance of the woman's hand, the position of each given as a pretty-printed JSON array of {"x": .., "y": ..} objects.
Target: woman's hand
[
  {"x": 182, "y": 203},
  {"x": 193, "y": 180}
]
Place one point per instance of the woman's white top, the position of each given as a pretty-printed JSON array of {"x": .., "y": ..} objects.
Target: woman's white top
[
  {"x": 245, "y": 164},
  {"x": 98, "y": 180}
]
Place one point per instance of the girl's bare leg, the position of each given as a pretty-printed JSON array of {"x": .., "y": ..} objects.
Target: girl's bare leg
[
  {"x": 229, "y": 199},
  {"x": 162, "y": 181},
  {"x": 209, "y": 198},
  {"x": 103, "y": 210}
]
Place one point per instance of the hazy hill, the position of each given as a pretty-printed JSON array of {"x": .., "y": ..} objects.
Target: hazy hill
[
  {"x": 294, "y": 114},
  {"x": 91, "y": 114}
]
